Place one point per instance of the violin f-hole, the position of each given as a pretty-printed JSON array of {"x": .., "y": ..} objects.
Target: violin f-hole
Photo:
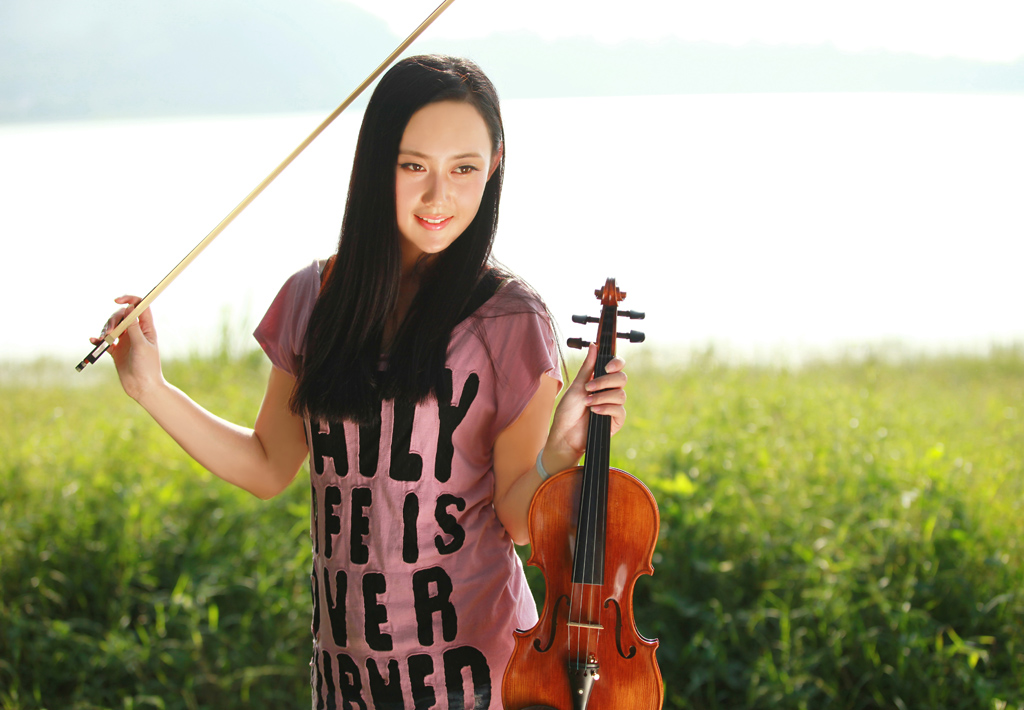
[
  {"x": 618, "y": 630},
  {"x": 554, "y": 625}
]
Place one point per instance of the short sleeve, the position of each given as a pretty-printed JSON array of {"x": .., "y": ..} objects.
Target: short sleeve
[
  {"x": 282, "y": 332},
  {"x": 523, "y": 349}
]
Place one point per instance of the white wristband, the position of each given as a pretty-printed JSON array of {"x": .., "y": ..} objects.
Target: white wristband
[{"x": 544, "y": 475}]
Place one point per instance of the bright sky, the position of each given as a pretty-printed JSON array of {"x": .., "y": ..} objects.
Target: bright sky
[{"x": 979, "y": 29}]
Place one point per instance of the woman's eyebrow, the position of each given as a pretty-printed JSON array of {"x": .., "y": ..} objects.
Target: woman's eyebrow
[{"x": 418, "y": 154}]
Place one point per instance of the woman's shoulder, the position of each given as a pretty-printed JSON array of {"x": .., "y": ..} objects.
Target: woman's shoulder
[
  {"x": 281, "y": 333},
  {"x": 305, "y": 283},
  {"x": 514, "y": 317},
  {"x": 512, "y": 296},
  {"x": 298, "y": 294}
]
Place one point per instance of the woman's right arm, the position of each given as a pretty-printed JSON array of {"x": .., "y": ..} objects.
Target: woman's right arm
[{"x": 262, "y": 460}]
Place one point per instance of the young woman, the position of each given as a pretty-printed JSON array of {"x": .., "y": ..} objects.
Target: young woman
[{"x": 419, "y": 379}]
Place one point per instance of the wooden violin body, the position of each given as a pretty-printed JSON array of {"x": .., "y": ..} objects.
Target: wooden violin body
[
  {"x": 592, "y": 530},
  {"x": 630, "y": 679}
]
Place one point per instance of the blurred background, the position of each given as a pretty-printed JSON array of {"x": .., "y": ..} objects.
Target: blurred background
[{"x": 775, "y": 180}]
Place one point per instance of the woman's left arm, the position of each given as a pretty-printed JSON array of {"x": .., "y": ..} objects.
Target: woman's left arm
[{"x": 516, "y": 448}]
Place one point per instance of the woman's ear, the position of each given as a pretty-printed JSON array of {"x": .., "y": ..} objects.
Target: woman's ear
[{"x": 496, "y": 160}]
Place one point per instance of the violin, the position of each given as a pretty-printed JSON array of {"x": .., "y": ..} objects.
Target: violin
[{"x": 593, "y": 529}]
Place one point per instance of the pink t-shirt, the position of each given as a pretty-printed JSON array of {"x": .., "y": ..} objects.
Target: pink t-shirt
[{"x": 416, "y": 585}]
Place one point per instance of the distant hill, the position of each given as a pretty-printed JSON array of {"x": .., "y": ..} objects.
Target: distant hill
[
  {"x": 526, "y": 65},
  {"x": 101, "y": 59},
  {"x": 82, "y": 59}
]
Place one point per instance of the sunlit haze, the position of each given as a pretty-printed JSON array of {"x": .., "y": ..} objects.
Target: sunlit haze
[
  {"x": 766, "y": 200},
  {"x": 980, "y": 29}
]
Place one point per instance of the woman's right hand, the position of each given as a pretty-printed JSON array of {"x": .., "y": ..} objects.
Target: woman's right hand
[
  {"x": 136, "y": 354},
  {"x": 262, "y": 460}
]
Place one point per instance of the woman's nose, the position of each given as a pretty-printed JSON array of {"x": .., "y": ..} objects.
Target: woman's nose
[{"x": 437, "y": 190}]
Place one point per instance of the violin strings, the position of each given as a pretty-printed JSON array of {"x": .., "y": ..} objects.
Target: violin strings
[
  {"x": 596, "y": 494},
  {"x": 606, "y": 351},
  {"x": 600, "y": 491},
  {"x": 604, "y": 433},
  {"x": 593, "y": 498},
  {"x": 576, "y": 609}
]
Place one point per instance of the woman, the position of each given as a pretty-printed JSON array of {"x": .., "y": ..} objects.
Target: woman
[{"x": 420, "y": 381}]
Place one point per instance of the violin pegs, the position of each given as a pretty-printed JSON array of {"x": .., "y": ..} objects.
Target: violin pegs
[
  {"x": 585, "y": 319},
  {"x": 634, "y": 315},
  {"x": 634, "y": 336},
  {"x": 578, "y": 343}
]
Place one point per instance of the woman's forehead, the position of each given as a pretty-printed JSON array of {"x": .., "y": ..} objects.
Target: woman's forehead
[{"x": 448, "y": 129}]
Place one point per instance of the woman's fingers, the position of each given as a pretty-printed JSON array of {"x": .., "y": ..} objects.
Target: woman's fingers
[
  {"x": 607, "y": 394},
  {"x": 604, "y": 397},
  {"x": 614, "y": 377},
  {"x": 586, "y": 370},
  {"x": 616, "y": 364},
  {"x": 120, "y": 314},
  {"x": 610, "y": 403}
]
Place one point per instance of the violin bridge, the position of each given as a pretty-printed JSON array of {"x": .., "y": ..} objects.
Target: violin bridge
[{"x": 581, "y": 625}]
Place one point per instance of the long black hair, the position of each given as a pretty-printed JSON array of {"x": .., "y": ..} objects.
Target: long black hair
[{"x": 340, "y": 375}]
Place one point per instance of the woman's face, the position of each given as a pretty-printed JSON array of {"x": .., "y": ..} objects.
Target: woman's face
[{"x": 444, "y": 162}]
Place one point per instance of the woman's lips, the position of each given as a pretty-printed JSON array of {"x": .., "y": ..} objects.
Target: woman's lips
[{"x": 433, "y": 222}]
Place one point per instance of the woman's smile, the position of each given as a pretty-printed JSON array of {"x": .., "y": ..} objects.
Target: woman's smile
[{"x": 433, "y": 222}]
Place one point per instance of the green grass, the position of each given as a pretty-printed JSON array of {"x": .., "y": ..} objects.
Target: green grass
[{"x": 841, "y": 535}]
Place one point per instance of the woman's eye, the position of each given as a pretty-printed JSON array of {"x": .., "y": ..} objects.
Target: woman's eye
[
  {"x": 464, "y": 169},
  {"x": 414, "y": 167}
]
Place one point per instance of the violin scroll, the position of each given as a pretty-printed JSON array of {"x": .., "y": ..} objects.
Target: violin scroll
[{"x": 609, "y": 296}]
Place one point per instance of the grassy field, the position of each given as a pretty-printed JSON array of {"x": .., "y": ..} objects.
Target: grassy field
[{"x": 842, "y": 535}]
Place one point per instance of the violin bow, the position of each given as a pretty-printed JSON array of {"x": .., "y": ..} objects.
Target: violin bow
[{"x": 109, "y": 338}]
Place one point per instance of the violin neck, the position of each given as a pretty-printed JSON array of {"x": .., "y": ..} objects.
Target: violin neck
[{"x": 593, "y": 518}]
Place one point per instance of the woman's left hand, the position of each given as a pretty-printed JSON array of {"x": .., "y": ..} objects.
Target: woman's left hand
[{"x": 606, "y": 395}]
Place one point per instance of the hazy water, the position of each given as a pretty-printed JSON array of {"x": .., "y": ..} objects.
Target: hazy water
[{"x": 766, "y": 224}]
